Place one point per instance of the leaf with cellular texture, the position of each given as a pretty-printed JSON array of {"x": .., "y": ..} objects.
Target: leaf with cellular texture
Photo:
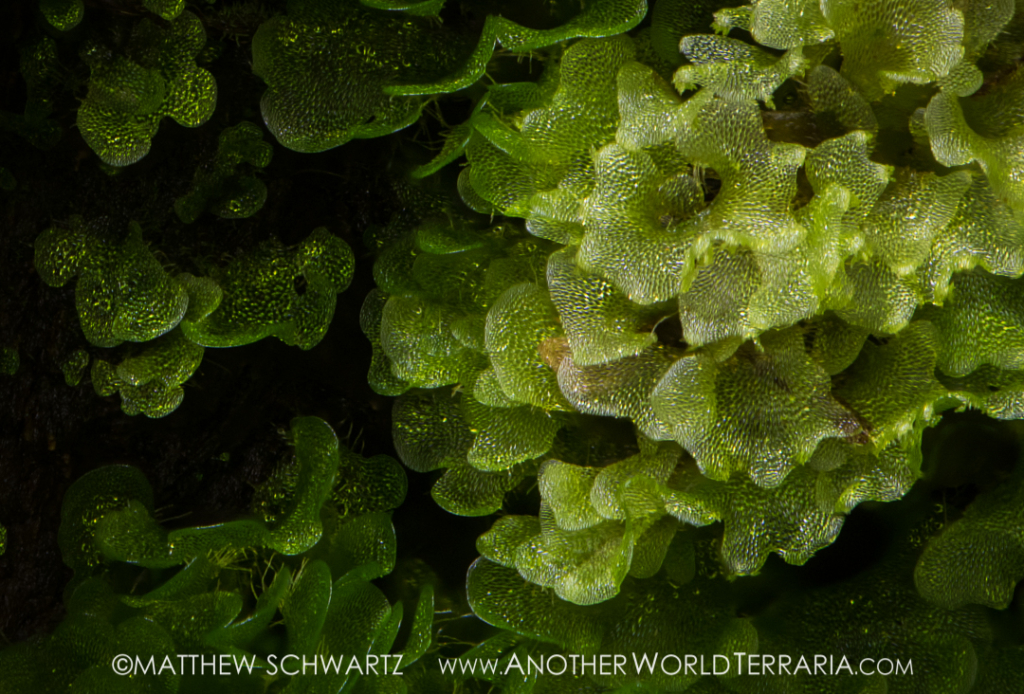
[
  {"x": 261, "y": 294},
  {"x": 760, "y": 412},
  {"x": 63, "y": 15},
  {"x": 326, "y": 63},
  {"x": 910, "y": 214},
  {"x": 337, "y": 71},
  {"x": 876, "y": 614},
  {"x": 167, "y": 9},
  {"x": 778, "y": 23},
  {"x": 431, "y": 432},
  {"x": 982, "y": 129},
  {"x": 733, "y": 69},
  {"x": 86, "y": 502},
  {"x": 508, "y": 166},
  {"x": 631, "y": 238},
  {"x": 418, "y": 338},
  {"x": 983, "y": 232},
  {"x": 980, "y": 558},
  {"x": 595, "y": 527},
  {"x": 759, "y": 177},
  {"x": 800, "y": 516},
  {"x": 742, "y": 294},
  {"x": 872, "y": 296},
  {"x": 519, "y": 321},
  {"x": 892, "y": 386},
  {"x": 507, "y": 436},
  {"x": 317, "y": 456},
  {"x": 130, "y": 94},
  {"x": 150, "y": 382},
  {"x": 600, "y": 323},
  {"x": 226, "y": 185},
  {"x": 620, "y": 388},
  {"x": 381, "y": 377},
  {"x": 886, "y": 43},
  {"x": 122, "y": 293},
  {"x": 836, "y": 104},
  {"x": 981, "y": 323},
  {"x": 995, "y": 392},
  {"x": 467, "y": 491}
]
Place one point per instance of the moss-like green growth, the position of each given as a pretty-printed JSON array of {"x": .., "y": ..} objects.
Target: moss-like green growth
[
  {"x": 792, "y": 309},
  {"x": 348, "y": 510},
  {"x": 222, "y": 589},
  {"x": 43, "y": 75},
  {"x": 464, "y": 308},
  {"x": 288, "y": 293},
  {"x": 10, "y": 360},
  {"x": 167, "y": 9},
  {"x": 122, "y": 291},
  {"x": 874, "y": 615},
  {"x": 227, "y": 186},
  {"x": 74, "y": 366},
  {"x": 342, "y": 54},
  {"x": 684, "y": 614},
  {"x": 979, "y": 558},
  {"x": 63, "y": 15},
  {"x": 688, "y": 608},
  {"x": 131, "y": 92},
  {"x": 342, "y": 70},
  {"x": 150, "y": 382}
]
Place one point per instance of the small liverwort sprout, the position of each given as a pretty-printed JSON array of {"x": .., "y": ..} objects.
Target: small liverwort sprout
[{"x": 227, "y": 186}]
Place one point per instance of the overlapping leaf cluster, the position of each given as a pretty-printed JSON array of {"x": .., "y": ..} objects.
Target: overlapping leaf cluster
[
  {"x": 41, "y": 71},
  {"x": 132, "y": 90},
  {"x": 355, "y": 69},
  {"x": 123, "y": 294},
  {"x": 688, "y": 609},
  {"x": 734, "y": 284},
  {"x": 295, "y": 579},
  {"x": 65, "y": 15},
  {"x": 778, "y": 321}
]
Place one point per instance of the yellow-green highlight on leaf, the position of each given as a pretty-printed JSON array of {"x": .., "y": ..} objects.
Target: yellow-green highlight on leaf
[
  {"x": 150, "y": 381},
  {"x": 417, "y": 8},
  {"x": 74, "y": 366},
  {"x": 44, "y": 77},
  {"x": 167, "y": 9},
  {"x": 980, "y": 558},
  {"x": 261, "y": 294},
  {"x": 227, "y": 186},
  {"x": 10, "y": 361},
  {"x": 128, "y": 97},
  {"x": 122, "y": 291}
]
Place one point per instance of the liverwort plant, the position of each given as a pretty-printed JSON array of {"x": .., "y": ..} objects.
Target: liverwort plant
[{"x": 779, "y": 314}]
